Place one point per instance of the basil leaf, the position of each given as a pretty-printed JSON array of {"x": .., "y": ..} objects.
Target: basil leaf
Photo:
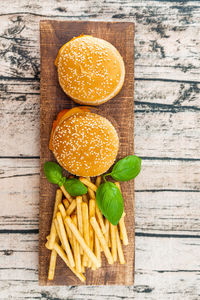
[
  {"x": 53, "y": 172},
  {"x": 110, "y": 201},
  {"x": 126, "y": 168},
  {"x": 75, "y": 187}
]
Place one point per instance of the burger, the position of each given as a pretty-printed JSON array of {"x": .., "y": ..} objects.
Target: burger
[
  {"x": 84, "y": 143},
  {"x": 90, "y": 70}
]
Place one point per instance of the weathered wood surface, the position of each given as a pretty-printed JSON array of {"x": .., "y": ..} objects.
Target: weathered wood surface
[
  {"x": 156, "y": 125},
  {"x": 161, "y": 272},
  {"x": 167, "y": 92}
]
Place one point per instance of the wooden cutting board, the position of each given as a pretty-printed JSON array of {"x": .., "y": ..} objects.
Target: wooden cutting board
[{"x": 53, "y": 34}]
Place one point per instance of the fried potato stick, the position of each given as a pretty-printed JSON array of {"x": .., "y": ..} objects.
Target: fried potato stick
[
  {"x": 71, "y": 208},
  {"x": 91, "y": 214},
  {"x": 88, "y": 183},
  {"x": 77, "y": 255},
  {"x": 122, "y": 226},
  {"x": 119, "y": 248},
  {"x": 98, "y": 181},
  {"x": 102, "y": 240},
  {"x": 100, "y": 219},
  {"x": 52, "y": 264},
  {"x": 52, "y": 235},
  {"x": 113, "y": 242},
  {"x": 62, "y": 254},
  {"x": 82, "y": 242},
  {"x": 79, "y": 217},
  {"x": 62, "y": 210},
  {"x": 66, "y": 203},
  {"x": 86, "y": 233},
  {"x": 67, "y": 195},
  {"x": 65, "y": 239}
]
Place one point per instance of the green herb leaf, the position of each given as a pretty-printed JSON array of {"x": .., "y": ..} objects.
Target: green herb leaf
[
  {"x": 110, "y": 201},
  {"x": 53, "y": 173},
  {"x": 126, "y": 168},
  {"x": 75, "y": 187}
]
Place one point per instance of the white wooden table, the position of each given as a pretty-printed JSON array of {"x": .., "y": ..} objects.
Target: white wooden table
[{"x": 167, "y": 137}]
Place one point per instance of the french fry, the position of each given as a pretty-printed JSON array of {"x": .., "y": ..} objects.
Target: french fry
[
  {"x": 67, "y": 195},
  {"x": 52, "y": 235},
  {"x": 100, "y": 219},
  {"x": 98, "y": 181},
  {"x": 77, "y": 255},
  {"x": 119, "y": 248},
  {"x": 82, "y": 242},
  {"x": 91, "y": 214},
  {"x": 122, "y": 227},
  {"x": 69, "y": 234},
  {"x": 52, "y": 265},
  {"x": 71, "y": 208},
  {"x": 65, "y": 239},
  {"x": 107, "y": 233},
  {"x": 53, "y": 258},
  {"x": 85, "y": 198},
  {"x": 91, "y": 231},
  {"x": 58, "y": 230},
  {"x": 88, "y": 183},
  {"x": 86, "y": 233},
  {"x": 62, "y": 254},
  {"x": 79, "y": 217},
  {"x": 123, "y": 232},
  {"x": 47, "y": 245},
  {"x": 97, "y": 248},
  {"x": 66, "y": 203},
  {"x": 113, "y": 242},
  {"x": 91, "y": 193},
  {"x": 102, "y": 241},
  {"x": 62, "y": 210}
]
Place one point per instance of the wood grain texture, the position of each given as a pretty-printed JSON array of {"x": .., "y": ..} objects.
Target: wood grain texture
[
  {"x": 160, "y": 115},
  {"x": 161, "y": 271},
  {"x": 54, "y": 34},
  {"x": 167, "y": 85}
]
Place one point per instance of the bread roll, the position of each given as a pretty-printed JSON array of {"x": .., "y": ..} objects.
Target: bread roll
[{"x": 90, "y": 70}]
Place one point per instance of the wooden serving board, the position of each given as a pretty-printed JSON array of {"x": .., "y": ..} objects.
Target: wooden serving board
[{"x": 53, "y": 34}]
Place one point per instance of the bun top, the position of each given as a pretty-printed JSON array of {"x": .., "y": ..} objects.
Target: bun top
[
  {"x": 90, "y": 70},
  {"x": 85, "y": 144}
]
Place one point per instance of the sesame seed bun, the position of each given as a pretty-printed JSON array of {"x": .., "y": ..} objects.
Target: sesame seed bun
[
  {"x": 85, "y": 144},
  {"x": 90, "y": 70}
]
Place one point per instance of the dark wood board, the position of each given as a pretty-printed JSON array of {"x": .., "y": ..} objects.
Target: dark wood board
[{"x": 53, "y": 34}]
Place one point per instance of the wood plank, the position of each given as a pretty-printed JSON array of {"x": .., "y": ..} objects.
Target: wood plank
[
  {"x": 177, "y": 94},
  {"x": 163, "y": 268},
  {"x": 53, "y": 35},
  {"x": 158, "y": 126},
  {"x": 166, "y": 44},
  {"x": 160, "y": 208}
]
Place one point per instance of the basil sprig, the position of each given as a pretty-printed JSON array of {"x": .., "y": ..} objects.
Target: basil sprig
[
  {"x": 109, "y": 197},
  {"x": 126, "y": 168},
  {"x": 75, "y": 187},
  {"x": 53, "y": 173},
  {"x": 110, "y": 201}
]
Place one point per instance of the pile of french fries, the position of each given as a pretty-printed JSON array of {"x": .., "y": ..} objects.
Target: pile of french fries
[{"x": 79, "y": 232}]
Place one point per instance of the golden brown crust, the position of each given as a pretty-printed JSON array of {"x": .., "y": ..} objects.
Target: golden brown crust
[
  {"x": 90, "y": 70},
  {"x": 85, "y": 144}
]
